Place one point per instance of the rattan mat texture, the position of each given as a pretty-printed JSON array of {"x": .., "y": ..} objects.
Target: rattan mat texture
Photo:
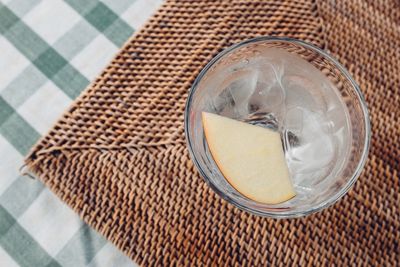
[{"x": 118, "y": 156}]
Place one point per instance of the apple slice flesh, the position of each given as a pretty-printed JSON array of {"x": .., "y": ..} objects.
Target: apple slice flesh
[{"x": 250, "y": 157}]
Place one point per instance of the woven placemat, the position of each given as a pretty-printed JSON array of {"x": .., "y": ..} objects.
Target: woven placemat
[{"x": 118, "y": 156}]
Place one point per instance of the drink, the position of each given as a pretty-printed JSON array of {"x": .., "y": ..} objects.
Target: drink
[
  {"x": 293, "y": 89},
  {"x": 283, "y": 92}
]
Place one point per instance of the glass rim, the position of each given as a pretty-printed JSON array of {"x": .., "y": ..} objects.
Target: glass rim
[{"x": 355, "y": 88}]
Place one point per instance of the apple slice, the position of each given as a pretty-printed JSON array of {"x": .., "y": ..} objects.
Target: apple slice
[{"x": 250, "y": 157}]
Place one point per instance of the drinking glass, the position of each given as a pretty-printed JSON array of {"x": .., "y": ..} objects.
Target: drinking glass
[{"x": 303, "y": 93}]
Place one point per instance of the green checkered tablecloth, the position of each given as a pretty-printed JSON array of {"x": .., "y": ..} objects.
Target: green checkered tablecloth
[{"x": 49, "y": 52}]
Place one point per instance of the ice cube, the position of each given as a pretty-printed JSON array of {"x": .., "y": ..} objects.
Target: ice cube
[
  {"x": 241, "y": 90},
  {"x": 232, "y": 100},
  {"x": 294, "y": 120},
  {"x": 300, "y": 92},
  {"x": 315, "y": 149},
  {"x": 268, "y": 94},
  {"x": 334, "y": 117},
  {"x": 223, "y": 103}
]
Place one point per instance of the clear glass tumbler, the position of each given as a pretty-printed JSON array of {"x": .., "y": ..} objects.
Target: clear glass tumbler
[{"x": 298, "y": 90}]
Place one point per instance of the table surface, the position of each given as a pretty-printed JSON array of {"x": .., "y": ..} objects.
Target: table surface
[{"x": 50, "y": 51}]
